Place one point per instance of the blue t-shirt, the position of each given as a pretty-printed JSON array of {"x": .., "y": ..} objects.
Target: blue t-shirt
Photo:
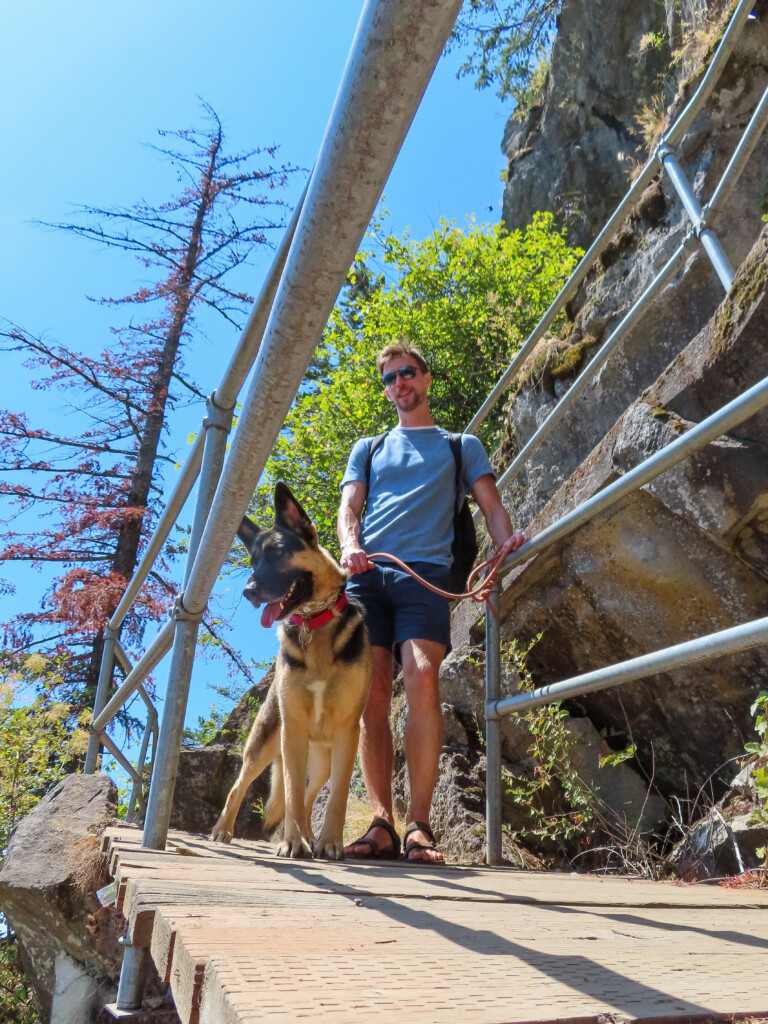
[{"x": 412, "y": 496}]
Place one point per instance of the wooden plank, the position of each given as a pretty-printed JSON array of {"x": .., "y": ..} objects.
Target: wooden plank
[
  {"x": 453, "y": 883},
  {"x": 241, "y": 936}
]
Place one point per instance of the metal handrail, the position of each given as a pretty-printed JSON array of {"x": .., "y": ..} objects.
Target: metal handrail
[
  {"x": 377, "y": 99},
  {"x": 222, "y": 401},
  {"x": 702, "y": 221},
  {"x": 693, "y": 440},
  {"x": 705, "y": 648},
  {"x": 321, "y": 250},
  {"x": 741, "y": 408},
  {"x": 672, "y": 138}
]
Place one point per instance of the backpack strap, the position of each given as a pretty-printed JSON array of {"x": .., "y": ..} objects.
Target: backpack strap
[
  {"x": 376, "y": 442},
  {"x": 455, "y": 442}
]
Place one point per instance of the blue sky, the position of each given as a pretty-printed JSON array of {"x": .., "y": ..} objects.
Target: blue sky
[{"x": 85, "y": 87}]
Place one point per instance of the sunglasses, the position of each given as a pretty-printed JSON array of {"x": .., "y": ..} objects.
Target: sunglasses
[{"x": 405, "y": 373}]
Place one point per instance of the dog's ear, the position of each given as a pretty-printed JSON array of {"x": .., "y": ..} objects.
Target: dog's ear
[
  {"x": 247, "y": 532},
  {"x": 291, "y": 516}
]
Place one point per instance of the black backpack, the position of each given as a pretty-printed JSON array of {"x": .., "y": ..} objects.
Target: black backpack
[{"x": 464, "y": 548}]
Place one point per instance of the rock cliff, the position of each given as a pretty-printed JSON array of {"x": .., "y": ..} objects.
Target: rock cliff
[{"x": 687, "y": 555}]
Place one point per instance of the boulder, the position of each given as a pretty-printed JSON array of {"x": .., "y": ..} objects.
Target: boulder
[
  {"x": 206, "y": 774},
  {"x": 625, "y": 801},
  {"x": 52, "y": 869}
]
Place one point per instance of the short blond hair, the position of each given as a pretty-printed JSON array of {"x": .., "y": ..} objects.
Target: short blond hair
[{"x": 401, "y": 348}]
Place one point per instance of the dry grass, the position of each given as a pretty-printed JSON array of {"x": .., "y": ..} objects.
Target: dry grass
[
  {"x": 652, "y": 120},
  {"x": 359, "y": 816},
  {"x": 91, "y": 864}
]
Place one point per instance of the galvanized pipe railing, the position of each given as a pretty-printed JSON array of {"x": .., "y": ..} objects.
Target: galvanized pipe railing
[
  {"x": 493, "y": 792},
  {"x": 149, "y": 660},
  {"x": 698, "y": 437},
  {"x": 720, "y": 57},
  {"x": 746, "y": 147},
  {"x": 719, "y": 423},
  {"x": 693, "y": 208},
  {"x": 589, "y": 372},
  {"x": 393, "y": 56},
  {"x": 702, "y": 218},
  {"x": 715, "y": 645},
  {"x": 736, "y": 639},
  {"x": 672, "y": 138},
  {"x": 566, "y": 293},
  {"x": 221, "y": 402}
]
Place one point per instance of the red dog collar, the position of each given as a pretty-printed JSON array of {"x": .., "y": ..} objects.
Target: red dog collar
[{"x": 322, "y": 617}]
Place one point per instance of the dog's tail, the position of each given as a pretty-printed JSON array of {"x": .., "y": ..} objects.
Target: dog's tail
[{"x": 274, "y": 812}]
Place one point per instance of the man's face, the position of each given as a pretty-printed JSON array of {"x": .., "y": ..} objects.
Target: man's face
[{"x": 406, "y": 395}]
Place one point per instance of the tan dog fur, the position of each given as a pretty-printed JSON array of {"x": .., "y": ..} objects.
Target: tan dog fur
[{"x": 308, "y": 726}]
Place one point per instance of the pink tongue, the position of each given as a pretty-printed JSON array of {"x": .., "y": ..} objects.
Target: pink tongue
[{"x": 270, "y": 614}]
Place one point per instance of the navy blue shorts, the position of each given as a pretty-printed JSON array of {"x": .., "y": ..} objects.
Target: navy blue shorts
[{"x": 398, "y": 608}]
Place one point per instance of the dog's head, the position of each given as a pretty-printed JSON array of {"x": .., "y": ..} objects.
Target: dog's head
[{"x": 291, "y": 572}]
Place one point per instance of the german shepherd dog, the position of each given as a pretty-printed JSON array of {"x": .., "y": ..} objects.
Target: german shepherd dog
[{"x": 308, "y": 726}]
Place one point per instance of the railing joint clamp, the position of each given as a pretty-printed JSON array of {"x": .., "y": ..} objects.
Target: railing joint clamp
[
  {"x": 215, "y": 416},
  {"x": 182, "y": 614},
  {"x": 664, "y": 150},
  {"x": 491, "y": 711},
  {"x": 111, "y": 634}
]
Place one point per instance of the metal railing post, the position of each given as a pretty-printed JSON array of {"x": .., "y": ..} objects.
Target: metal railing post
[
  {"x": 493, "y": 854},
  {"x": 171, "y": 729},
  {"x": 130, "y": 987},
  {"x": 217, "y": 425},
  {"x": 102, "y": 690}
]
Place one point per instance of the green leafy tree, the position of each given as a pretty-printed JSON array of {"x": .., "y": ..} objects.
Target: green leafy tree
[
  {"x": 466, "y": 297},
  {"x": 38, "y": 745},
  {"x": 507, "y": 44},
  {"x": 16, "y": 1003}
]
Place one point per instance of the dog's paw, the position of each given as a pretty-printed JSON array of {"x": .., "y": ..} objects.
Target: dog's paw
[
  {"x": 294, "y": 848},
  {"x": 221, "y": 835},
  {"x": 329, "y": 850}
]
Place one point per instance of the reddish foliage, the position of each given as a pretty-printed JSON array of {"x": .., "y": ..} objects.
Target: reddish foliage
[{"x": 757, "y": 879}]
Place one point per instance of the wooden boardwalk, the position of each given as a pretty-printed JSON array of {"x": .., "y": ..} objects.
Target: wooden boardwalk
[{"x": 243, "y": 937}]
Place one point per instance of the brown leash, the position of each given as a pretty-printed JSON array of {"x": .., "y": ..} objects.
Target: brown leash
[{"x": 481, "y": 592}]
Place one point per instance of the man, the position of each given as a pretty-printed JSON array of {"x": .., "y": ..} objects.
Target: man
[{"x": 409, "y": 513}]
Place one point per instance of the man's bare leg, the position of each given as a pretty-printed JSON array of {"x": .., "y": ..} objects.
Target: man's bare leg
[
  {"x": 376, "y": 752},
  {"x": 423, "y": 731}
]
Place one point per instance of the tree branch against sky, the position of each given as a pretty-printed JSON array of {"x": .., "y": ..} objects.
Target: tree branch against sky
[
  {"x": 81, "y": 489},
  {"x": 506, "y": 42}
]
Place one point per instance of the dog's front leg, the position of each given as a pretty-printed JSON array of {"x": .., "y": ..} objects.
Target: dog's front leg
[
  {"x": 331, "y": 841},
  {"x": 295, "y": 747}
]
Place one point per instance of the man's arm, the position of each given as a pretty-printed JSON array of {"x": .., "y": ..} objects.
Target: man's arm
[
  {"x": 503, "y": 534},
  {"x": 348, "y": 527}
]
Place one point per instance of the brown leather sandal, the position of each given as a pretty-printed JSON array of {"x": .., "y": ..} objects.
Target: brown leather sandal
[
  {"x": 374, "y": 850},
  {"x": 420, "y": 826}
]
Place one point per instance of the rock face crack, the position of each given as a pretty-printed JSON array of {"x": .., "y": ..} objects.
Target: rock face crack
[{"x": 612, "y": 122}]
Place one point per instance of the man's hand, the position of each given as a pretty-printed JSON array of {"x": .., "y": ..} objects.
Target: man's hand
[
  {"x": 512, "y": 543},
  {"x": 354, "y": 559}
]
